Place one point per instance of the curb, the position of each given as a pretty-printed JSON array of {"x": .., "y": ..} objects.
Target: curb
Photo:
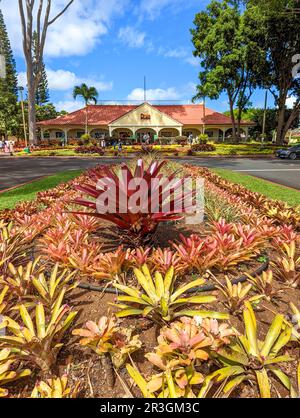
[{"x": 24, "y": 184}]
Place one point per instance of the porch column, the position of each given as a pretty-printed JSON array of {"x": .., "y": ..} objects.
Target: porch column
[
  {"x": 180, "y": 130},
  {"x": 224, "y": 132},
  {"x": 246, "y": 132},
  {"x": 42, "y": 134},
  {"x": 66, "y": 135},
  {"x": 110, "y": 131}
]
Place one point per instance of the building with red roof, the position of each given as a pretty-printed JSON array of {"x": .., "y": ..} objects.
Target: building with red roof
[{"x": 133, "y": 121}]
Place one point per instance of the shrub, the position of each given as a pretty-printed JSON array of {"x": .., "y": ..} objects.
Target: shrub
[
  {"x": 7, "y": 374},
  {"x": 160, "y": 298},
  {"x": 136, "y": 227},
  {"x": 89, "y": 150},
  {"x": 106, "y": 337},
  {"x": 85, "y": 138},
  {"x": 55, "y": 388},
  {"x": 203, "y": 148},
  {"x": 253, "y": 359},
  {"x": 37, "y": 342}
]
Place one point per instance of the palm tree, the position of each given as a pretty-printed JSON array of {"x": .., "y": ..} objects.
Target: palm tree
[{"x": 89, "y": 94}]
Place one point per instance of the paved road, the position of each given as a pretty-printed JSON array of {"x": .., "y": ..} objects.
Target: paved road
[
  {"x": 14, "y": 171},
  {"x": 284, "y": 172}
]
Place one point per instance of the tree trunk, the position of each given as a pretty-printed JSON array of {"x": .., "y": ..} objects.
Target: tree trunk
[
  {"x": 31, "y": 106},
  {"x": 86, "y": 119},
  {"x": 293, "y": 116},
  {"x": 233, "y": 121},
  {"x": 239, "y": 118},
  {"x": 281, "y": 117}
]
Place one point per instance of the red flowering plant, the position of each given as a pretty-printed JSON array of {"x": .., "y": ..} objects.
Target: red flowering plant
[{"x": 138, "y": 199}]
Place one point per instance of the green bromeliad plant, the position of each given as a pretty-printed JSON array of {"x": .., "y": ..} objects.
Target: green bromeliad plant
[
  {"x": 159, "y": 297},
  {"x": 253, "y": 360}
]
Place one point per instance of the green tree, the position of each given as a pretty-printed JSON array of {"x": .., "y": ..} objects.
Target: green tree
[
  {"x": 256, "y": 115},
  {"x": 279, "y": 37},
  {"x": 42, "y": 91},
  {"x": 229, "y": 57},
  {"x": 35, "y": 16},
  {"x": 9, "y": 84},
  {"x": 88, "y": 94}
]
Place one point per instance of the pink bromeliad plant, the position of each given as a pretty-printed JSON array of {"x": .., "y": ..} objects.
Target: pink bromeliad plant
[{"x": 136, "y": 225}]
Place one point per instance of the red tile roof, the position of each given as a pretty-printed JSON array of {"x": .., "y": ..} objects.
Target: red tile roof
[{"x": 106, "y": 114}]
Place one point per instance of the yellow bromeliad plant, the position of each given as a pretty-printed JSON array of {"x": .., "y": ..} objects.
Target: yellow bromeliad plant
[
  {"x": 56, "y": 387},
  {"x": 30, "y": 284},
  {"x": 295, "y": 391},
  {"x": 251, "y": 359},
  {"x": 37, "y": 342},
  {"x": 160, "y": 298},
  {"x": 8, "y": 375}
]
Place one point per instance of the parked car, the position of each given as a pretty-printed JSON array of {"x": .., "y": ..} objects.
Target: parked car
[{"x": 292, "y": 153}]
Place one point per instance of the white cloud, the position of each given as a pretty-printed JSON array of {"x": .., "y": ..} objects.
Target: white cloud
[
  {"x": 68, "y": 105},
  {"x": 290, "y": 102},
  {"x": 65, "y": 80},
  {"x": 180, "y": 53},
  {"x": 77, "y": 32},
  {"x": 171, "y": 93},
  {"x": 132, "y": 37}
]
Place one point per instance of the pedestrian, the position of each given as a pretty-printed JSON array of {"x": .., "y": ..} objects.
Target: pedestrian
[
  {"x": 11, "y": 144},
  {"x": 6, "y": 147},
  {"x": 191, "y": 139},
  {"x": 1, "y": 145},
  {"x": 120, "y": 146}
]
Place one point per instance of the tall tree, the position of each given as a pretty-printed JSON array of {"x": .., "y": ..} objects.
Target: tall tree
[
  {"x": 8, "y": 84},
  {"x": 42, "y": 91},
  {"x": 229, "y": 57},
  {"x": 40, "y": 17},
  {"x": 88, "y": 94},
  {"x": 279, "y": 36}
]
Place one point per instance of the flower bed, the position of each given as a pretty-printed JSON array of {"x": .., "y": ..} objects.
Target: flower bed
[{"x": 223, "y": 340}]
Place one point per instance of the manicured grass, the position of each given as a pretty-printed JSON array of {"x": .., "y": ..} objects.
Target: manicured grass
[
  {"x": 28, "y": 192},
  {"x": 266, "y": 188},
  {"x": 253, "y": 148}
]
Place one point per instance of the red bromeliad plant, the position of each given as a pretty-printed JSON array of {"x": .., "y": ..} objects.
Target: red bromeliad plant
[
  {"x": 163, "y": 259},
  {"x": 139, "y": 225}
]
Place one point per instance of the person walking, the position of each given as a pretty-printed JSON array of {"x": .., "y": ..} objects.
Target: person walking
[
  {"x": 11, "y": 144},
  {"x": 6, "y": 147},
  {"x": 120, "y": 146}
]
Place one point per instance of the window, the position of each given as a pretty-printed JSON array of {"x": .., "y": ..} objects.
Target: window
[
  {"x": 47, "y": 135},
  {"x": 59, "y": 134}
]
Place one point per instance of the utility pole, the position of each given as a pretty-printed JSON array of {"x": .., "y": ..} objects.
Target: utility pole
[
  {"x": 204, "y": 115},
  {"x": 23, "y": 115},
  {"x": 264, "y": 117}
]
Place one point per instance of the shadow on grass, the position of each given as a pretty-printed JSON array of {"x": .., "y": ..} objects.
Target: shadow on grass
[{"x": 29, "y": 191}]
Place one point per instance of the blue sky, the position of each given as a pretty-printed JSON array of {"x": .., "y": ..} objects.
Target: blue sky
[{"x": 112, "y": 44}]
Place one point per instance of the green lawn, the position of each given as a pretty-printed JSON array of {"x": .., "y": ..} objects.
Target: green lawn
[
  {"x": 252, "y": 148},
  {"x": 271, "y": 190},
  {"x": 28, "y": 192}
]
